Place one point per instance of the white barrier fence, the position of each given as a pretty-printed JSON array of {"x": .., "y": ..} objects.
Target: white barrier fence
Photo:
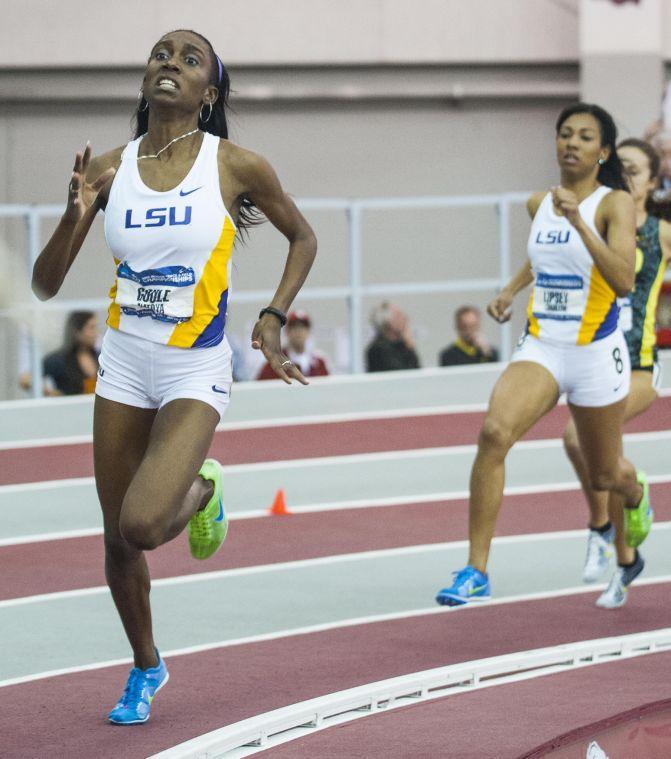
[
  {"x": 271, "y": 729},
  {"x": 353, "y": 292}
]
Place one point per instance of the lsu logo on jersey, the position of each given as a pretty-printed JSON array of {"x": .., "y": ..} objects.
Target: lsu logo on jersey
[
  {"x": 159, "y": 217},
  {"x": 553, "y": 237}
]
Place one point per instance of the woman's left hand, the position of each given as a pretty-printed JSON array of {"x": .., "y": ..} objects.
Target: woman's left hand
[
  {"x": 266, "y": 338},
  {"x": 567, "y": 203}
]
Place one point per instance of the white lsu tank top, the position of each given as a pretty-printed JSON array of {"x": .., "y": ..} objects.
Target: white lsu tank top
[
  {"x": 571, "y": 301},
  {"x": 173, "y": 252}
]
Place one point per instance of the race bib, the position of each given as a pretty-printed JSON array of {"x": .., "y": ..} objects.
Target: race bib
[
  {"x": 626, "y": 320},
  {"x": 559, "y": 296},
  {"x": 164, "y": 294}
]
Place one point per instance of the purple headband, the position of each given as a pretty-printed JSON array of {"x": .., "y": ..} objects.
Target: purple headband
[{"x": 220, "y": 66}]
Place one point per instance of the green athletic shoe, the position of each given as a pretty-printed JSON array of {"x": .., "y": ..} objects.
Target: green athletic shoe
[
  {"x": 208, "y": 527},
  {"x": 638, "y": 521}
]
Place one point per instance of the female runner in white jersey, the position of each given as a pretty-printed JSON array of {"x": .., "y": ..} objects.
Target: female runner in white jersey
[
  {"x": 637, "y": 320},
  {"x": 581, "y": 258},
  {"x": 174, "y": 199}
]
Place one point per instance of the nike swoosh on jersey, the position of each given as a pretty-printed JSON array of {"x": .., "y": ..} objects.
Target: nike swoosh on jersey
[{"x": 188, "y": 192}]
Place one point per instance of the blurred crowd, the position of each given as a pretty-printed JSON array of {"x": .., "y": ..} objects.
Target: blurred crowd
[{"x": 71, "y": 369}]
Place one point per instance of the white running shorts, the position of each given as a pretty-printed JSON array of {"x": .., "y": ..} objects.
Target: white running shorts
[
  {"x": 145, "y": 374},
  {"x": 597, "y": 374}
]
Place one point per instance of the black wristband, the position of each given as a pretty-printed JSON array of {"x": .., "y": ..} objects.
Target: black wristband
[{"x": 275, "y": 312}]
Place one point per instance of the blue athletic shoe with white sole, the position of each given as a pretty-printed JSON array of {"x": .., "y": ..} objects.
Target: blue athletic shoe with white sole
[
  {"x": 141, "y": 687},
  {"x": 468, "y": 585}
]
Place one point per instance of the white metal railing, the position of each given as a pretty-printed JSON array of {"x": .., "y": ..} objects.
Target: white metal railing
[
  {"x": 293, "y": 722},
  {"x": 354, "y": 292}
]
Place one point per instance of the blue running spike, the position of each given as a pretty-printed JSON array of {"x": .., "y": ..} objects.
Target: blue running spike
[
  {"x": 468, "y": 585},
  {"x": 142, "y": 685}
]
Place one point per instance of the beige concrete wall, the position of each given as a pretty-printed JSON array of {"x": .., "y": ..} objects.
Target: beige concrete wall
[
  {"x": 355, "y": 98},
  {"x": 666, "y": 31},
  {"x": 606, "y": 28},
  {"x": 622, "y": 59},
  {"x": 628, "y": 86},
  {"x": 76, "y": 33}
]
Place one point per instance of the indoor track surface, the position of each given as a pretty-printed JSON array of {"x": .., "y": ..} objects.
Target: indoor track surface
[{"x": 338, "y": 594}]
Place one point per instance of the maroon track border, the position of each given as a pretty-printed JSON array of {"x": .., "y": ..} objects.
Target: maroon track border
[{"x": 56, "y": 462}]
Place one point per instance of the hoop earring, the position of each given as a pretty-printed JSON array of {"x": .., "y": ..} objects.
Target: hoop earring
[
  {"x": 208, "y": 115},
  {"x": 140, "y": 98}
]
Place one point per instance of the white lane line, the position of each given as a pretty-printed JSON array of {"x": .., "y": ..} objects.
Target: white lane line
[
  {"x": 51, "y": 402},
  {"x": 343, "y": 558},
  {"x": 288, "y": 421},
  {"x": 50, "y": 442},
  {"x": 336, "y": 625},
  {"x": 293, "y": 421},
  {"x": 419, "y": 453},
  {"x": 356, "y": 458},
  {"x": 404, "y": 500},
  {"x": 21, "y": 487},
  {"x": 452, "y": 495},
  {"x": 48, "y": 536}
]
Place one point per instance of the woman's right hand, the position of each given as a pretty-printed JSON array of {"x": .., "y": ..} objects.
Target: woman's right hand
[
  {"x": 500, "y": 309},
  {"x": 82, "y": 194}
]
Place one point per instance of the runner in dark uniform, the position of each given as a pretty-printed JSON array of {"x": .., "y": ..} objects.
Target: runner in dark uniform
[{"x": 637, "y": 320}]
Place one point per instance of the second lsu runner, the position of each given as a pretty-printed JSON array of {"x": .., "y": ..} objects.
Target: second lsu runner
[{"x": 581, "y": 252}]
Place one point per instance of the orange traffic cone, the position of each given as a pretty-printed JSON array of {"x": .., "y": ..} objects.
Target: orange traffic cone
[{"x": 279, "y": 507}]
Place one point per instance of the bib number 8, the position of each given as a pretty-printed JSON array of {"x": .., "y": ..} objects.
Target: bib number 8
[{"x": 617, "y": 357}]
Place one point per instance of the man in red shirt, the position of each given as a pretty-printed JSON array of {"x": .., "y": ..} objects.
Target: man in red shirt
[{"x": 311, "y": 362}]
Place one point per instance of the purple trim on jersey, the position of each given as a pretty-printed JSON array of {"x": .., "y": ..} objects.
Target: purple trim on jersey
[
  {"x": 213, "y": 334},
  {"x": 609, "y": 324}
]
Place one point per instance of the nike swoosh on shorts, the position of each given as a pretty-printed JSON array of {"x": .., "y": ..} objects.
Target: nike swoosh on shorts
[{"x": 219, "y": 390}]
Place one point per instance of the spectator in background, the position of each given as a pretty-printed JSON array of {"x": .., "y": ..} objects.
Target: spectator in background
[
  {"x": 658, "y": 134},
  {"x": 72, "y": 369},
  {"x": 392, "y": 347},
  {"x": 471, "y": 346},
  {"x": 299, "y": 349}
]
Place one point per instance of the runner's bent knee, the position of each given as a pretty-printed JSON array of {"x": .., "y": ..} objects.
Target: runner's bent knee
[
  {"x": 141, "y": 532},
  {"x": 142, "y": 527},
  {"x": 496, "y": 435}
]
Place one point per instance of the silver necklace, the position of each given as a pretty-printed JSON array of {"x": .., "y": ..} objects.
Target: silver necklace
[{"x": 181, "y": 137}]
